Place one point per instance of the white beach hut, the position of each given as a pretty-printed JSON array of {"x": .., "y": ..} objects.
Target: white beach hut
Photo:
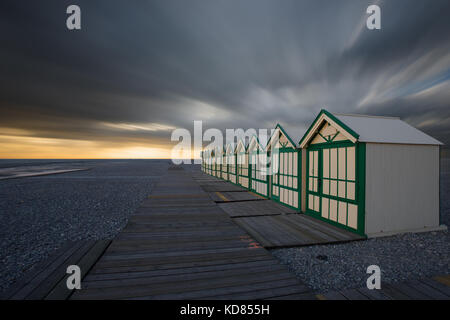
[
  {"x": 258, "y": 165},
  {"x": 231, "y": 163},
  {"x": 371, "y": 175},
  {"x": 242, "y": 164},
  {"x": 286, "y": 163}
]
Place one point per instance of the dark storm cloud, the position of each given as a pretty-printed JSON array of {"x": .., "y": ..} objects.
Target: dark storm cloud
[{"x": 162, "y": 64}]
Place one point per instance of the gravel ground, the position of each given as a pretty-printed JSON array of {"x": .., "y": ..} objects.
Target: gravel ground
[
  {"x": 403, "y": 257},
  {"x": 38, "y": 215}
]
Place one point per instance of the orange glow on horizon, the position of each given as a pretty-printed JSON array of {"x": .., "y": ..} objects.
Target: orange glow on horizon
[{"x": 23, "y": 147}]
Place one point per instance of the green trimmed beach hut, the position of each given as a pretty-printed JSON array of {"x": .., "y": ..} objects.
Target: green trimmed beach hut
[
  {"x": 286, "y": 168},
  {"x": 218, "y": 161},
  {"x": 207, "y": 161},
  {"x": 224, "y": 164},
  {"x": 202, "y": 167},
  {"x": 210, "y": 162},
  {"x": 242, "y": 162},
  {"x": 371, "y": 175},
  {"x": 258, "y": 167},
  {"x": 231, "y": 163},
  {"x": 214, "y": 162}
]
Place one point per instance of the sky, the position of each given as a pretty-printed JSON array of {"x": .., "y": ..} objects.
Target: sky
[{"x": 137, "y": 70}]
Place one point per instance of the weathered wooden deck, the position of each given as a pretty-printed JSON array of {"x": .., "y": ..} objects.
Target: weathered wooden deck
[
  {"x": 291, "y": 230},
  {"x": 252, "y": 209},
  {"x": 181, "y": 244},
  {"x": 227, "y": 196},
  {"x": 272, "y": 224}
]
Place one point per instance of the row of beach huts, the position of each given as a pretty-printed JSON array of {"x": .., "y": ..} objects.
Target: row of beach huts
[{"x": 371, "y": 175}]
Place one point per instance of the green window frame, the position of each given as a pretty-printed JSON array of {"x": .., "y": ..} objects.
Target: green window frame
[
  {"x": 283, "y": 178},
  {"x": 358, "y": 180}
]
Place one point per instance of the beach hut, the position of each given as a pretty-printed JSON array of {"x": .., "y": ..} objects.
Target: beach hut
[
  {"x": 205, "y": 161},
  {"x": 286, "y": 168},
  {"x": 213, "y": 162},
  {"x": 209, "y": 162},
  {"x": 258, "y": 167},
  {"x": 224, "y": 164},
  {"x": 231, "y": 163},
  {"x": 218, "y": 160},
  {"x": 371, "y": 175},
  {"x": 242, "y": 164},
  {"x": 202, "y": 166}
]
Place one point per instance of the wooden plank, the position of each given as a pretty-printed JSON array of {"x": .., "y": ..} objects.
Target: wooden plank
[
  {"x": 333, "y": 231},
  {"x": 374, "y": 294},
  {"x": 411, "y": 292},
  {"x": 169, "y": 254},
  {"x": 179, "y": 278},
  {"x": 437, "y": 285},
  {"x": 335, "y": 295},
  {"x": 287, "y": 231},
  {"x": 393, "y": 292},
  {"x": 353, "y": 294},
  {"x": 267, "y": 293},
  {"x": 188, "y": 270},
  {"x": 178, "y": 196},
  {"x": 230, "y": 291},
  {"x": 60, "y": 291},
  {"x": 56, "y": 275},
  {"x": 431, "y": 292},
  {"x": 253, "y": 232},
  {"x": 165, "y": 266},
  {"x": 32, "y": 283},
  {"x": 443, "y": 279},
  {"x": 254, "y": 208},
  {"x": 297, "y": 296},
  {"x": 183, "y": 287}
]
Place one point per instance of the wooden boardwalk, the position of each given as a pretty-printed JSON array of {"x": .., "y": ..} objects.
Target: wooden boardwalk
[
  {"x": 272, "y": 224},
  {"x": 220, "y": 186},
  {"x": 437, "y": 288},
  {"x": 293, "y": 230},
  {"x": 252, "y": 209},
  {"x": 181, "y": 245},
  {"x": 225, "y": 197}
]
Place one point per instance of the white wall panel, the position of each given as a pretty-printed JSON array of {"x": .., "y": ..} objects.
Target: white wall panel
[{"x": 402, "y": 187}]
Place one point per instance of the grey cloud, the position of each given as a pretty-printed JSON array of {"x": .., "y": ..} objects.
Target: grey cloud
[{"x": 231, "y": 63}]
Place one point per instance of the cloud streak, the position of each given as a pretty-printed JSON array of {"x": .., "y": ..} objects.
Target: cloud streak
[{"x": 137, "y": 70}]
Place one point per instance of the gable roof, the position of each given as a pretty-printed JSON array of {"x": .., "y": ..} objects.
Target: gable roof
[
  {"x": 255, "y": 138},
  {"x": 386, "y": 130},
  {"x": 292, "y": 137},
  {"x": 241, "y": 143},
  {"x": 372, "y": 129},
  {"x": 228, "y": 146}
]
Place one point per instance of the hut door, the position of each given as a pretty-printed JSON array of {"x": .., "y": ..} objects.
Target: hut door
[
  {"x": 332, "y": 184},
  {"x": 314, "y": 180},
  {"x": 275, "y": 170}
]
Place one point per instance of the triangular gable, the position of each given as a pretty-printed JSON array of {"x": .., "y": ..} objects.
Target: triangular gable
[
  {"x": 219, "y": 151},
  {"x": 325, "y": 128},
  {"x": 240, "y": 147},
  {"x": 283, "y": 138},
  {"x": 230, "y": 148},
  {"x": 254, "y": 144}
]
